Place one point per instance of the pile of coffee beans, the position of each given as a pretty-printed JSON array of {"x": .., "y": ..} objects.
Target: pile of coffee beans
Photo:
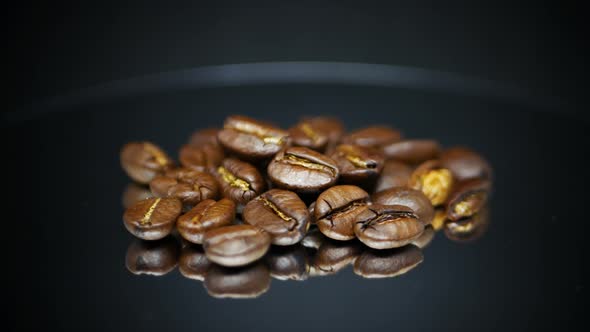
[{"x": 249, "y": 185}]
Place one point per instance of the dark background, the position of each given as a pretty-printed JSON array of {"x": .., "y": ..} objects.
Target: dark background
[{"x": 64, "y": 242}]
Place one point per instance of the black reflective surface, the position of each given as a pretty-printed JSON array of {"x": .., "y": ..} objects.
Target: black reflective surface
[{"x": 66, "y": 246}]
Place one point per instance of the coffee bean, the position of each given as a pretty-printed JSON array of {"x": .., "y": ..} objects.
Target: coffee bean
[
  {"x": 239, "y": 180},
  {"x": 152, "y": 218},
  {"x": 414, "y": 199},
  {"x": 203, "y": 158},
  {"x": 193, "y": 264},
  {"x": 439, "y": 219},
  {"x": 311, "y": 209},
  {"x": 413, "y": 151},
  {"x": 467, "y": 199},
  {"x": 236, "y": 245},
  {"x": 205, "y": 216},
  {"x": 469, "y": 229},
  {"x": 288, "y": 263},
  {"x": 251, "y": 139},
  {"x": 394, "y": 174},
  {"x": 143, "y": 161},
  {"x": 424, "y": 240},
  {"x": 435, "y": 181},
  {"x": 281, "y": 213},
  {"x": 134, "y": 193},
  {"x": 388, "y": 263},
  {"x": 387, "y": 226},
  {"x": 358, "y": 165},
  {"x": 372, "y": 137},
  {"x": 155, "y": 258},
  {"x": 237, "y": 283},
  {"x": 333, "y": 256},
  {"x": 188, "y": 185},
  {"x": 302, "y": 170},
  {"x": 204, "y": 136},
  {"x": 466, "y": 164},
  {"x": 336, "y": 210},
  {"x": 317, "y": 133},
  {"x": 313, "y": 239}
]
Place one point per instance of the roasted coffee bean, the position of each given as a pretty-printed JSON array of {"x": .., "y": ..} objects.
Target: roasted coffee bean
[
  {"x": 467, "y": 199},
  {"x": 439, "y": 220},
  {"x": 203, "y": 158},
  {"x": 236, "y": 245},
  {"x": 414, "y": 151},
  {"x": 317, "y": 133},
  {"x": 134, "y": 193},
  {"x": 288, "y": 263},
  {"x": 394, "y": 174},
  {"x": 435, "y": 181},
  {"x": 414, "y": 199},
  {"x": 239, "y": 180},
  {"x": 143, "y": 161},
  {"x": 372, "y": 137},
  {"x": 424, "y": 240},
  {"x": 469, "y": 229},
  {"x": 251, "y": 139},
  {"x": 188, "y": 185},
  {"x": 311, "y": 209},
  {"x": 238, "y": 282},
  {"x": 205, "y": 216},
  {"x": 155, "y": 258},
  {"x": 152, "y": 218},
  {"x": 388, "y": 263},
  {"x": 281, "y": 213},
  {"x": 333, "y": 256},
  {"x": 357, "y": 164},
  {"x": 387, "y": 226},
  {"x": 302, "y": 170},
  {"x": 204, "y": 136},
  {"x": 193, "y": 263},
  {"x": 336, "y": 211},
  {"x": 466, "y": 164}
]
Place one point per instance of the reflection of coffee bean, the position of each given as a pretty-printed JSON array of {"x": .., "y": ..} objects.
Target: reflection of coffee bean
[
  {"x": 387, "y": 263},
  {"x": 237, "y": 282},
  {"x": 193, "y": 263},
  {"x": 288, "y": 263},
  {"x": 152, "y": 257}
]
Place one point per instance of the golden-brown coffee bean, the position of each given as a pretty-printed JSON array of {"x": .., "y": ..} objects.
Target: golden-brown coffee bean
[
  {"x": 188, "y": 185},
  {"x": 414, "y": 199},
  {"x": 435, "y": 181},
  {"x": 387, "y": 226},
  {"x": 336, "y": 211},
  {"x": 205, "y": 216},
  {"x": 143, "y": 161},
  {"x": 152, "y": 218},
  {"x": 467, "y": 199},
  {"x": 236, "y": 245},
  {"x": 469, "y": 229},
  {"x": 239, "y": 180}
]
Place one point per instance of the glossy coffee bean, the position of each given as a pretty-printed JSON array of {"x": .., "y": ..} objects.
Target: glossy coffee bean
[
  {"x": 193, "y": 264},
  {"x": 251, "y": 139},
  {"x": 143, "y": 161},
  {"x": 204, "y": 136},
  {"x": 387, "y": 226},
  {"x": 388, "y": 263},
  {"x": 467, "y": 199},
  {"x": 281, "y": 213},
  {"x": 469, "y": 229},
  {"x": 466, "y": 164},
  {"x": 188, "y": 185},
  {"x": 288, "y": 263},
  {"x": 238, "y": 282},
  {"x": 317, "y": 133},
  {"x": 155, "y": 258},
  {"x": 414, "y": 151},
  {"x": 236, "y": 245},
  {"x": 205, "y": 216},
  {"x": 414, "y": 199},
  {"x": 424, "y": 240},
  {"x": 336, "y": 211},
  {"x": 333, "y": 256},
  {"x": 134, "y": 193},
  {"x": 372, "y": 137},
  {"x": 394, "y": 174},
  {"x": 302, "y": 170},
  {"x": 152, "y": 218},
  {"x": 239, "y": 180},
  {"x": 434, "y": 180},
  {"x": 203, "y": 158},
  {"x": 358, "y": 164}
]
